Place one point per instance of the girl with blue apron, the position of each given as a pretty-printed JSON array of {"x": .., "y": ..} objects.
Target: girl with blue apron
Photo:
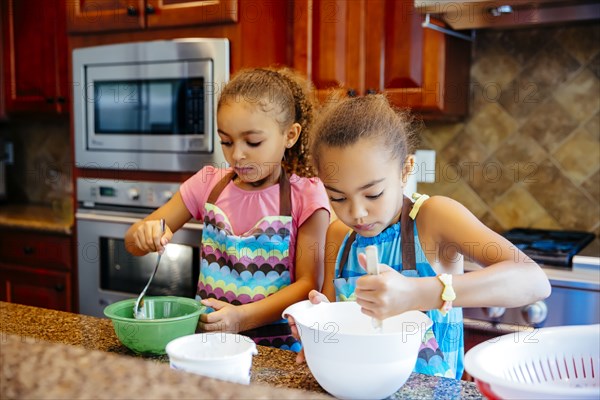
[
  {"x": 246, "y": 268},
  {"x": 442, "y": 349}
]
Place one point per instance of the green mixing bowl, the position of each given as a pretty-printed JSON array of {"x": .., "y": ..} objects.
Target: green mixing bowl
[{"x": 170, "y": 317}]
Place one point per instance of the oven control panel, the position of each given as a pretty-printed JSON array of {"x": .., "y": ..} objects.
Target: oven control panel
[{"x": 93, "y": 192}]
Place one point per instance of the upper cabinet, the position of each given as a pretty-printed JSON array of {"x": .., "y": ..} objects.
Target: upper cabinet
[
  {"x": 34, "y": 55},
  {"x": 113, "y": 15},
  {"x": 379, "y": 46}
]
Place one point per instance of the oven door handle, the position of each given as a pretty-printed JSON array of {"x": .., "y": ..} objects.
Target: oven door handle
[{"x": 88, "y": 216}]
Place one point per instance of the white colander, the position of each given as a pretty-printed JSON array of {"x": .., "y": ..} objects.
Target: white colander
[{"x": 547, "y": 363}]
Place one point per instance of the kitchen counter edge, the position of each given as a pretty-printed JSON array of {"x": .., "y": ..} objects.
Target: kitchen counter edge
[{"x": 65, "y": 345}]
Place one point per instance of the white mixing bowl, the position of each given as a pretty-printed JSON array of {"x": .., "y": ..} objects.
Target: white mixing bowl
[
  {"x": 348, "y": 357},
  {"x": 223, "y": 356}
]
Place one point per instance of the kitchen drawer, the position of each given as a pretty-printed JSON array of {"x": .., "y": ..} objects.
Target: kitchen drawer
[
  {"x": 35, "y": 249},
  {"x": 36, "y": 287}
]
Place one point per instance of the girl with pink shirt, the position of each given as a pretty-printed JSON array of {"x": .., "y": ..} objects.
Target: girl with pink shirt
[{"x": 265, "y": 218}]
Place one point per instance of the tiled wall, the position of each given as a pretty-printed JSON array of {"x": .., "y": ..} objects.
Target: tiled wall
[
  {"x": 41, "y": 173},
  {"x": 528, "y": 155}
]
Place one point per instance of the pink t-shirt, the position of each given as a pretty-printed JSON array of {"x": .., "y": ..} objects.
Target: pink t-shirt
[{"x": 245, "y": 208}]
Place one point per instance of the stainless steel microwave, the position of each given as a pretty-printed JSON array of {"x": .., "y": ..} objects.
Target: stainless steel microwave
[{"x": 149, "y": 105}]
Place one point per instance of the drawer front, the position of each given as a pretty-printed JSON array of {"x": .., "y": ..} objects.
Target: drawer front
[
  {"x": 34, "y": 249},
  {"x": 36, "y": 287}
]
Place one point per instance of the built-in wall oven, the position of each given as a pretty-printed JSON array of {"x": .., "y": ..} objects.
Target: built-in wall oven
[
  {"x": 106, "y": 271},
  {"x": 148, "y": 105}
]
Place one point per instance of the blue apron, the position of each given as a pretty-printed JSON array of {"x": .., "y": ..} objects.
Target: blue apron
[{"x": 442, "y": 358}]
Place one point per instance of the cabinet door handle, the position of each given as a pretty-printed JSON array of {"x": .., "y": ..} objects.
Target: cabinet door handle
[
  {"x": 371, "y": 91},
  {"x": 28, "y": 250},
  {"x": 150, "y": 9},
  {"x": 132, "y": 11},
  {"x": 61, "y": 100},
  {"x": 59, "y": 287},
  {"x": 351, "y": 93},
  {"x": 50, "y": 100}
]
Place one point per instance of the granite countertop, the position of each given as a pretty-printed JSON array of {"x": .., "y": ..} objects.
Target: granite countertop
[
  {"x": 54, "y": 354},
  {"x": 37, "y": 217}
]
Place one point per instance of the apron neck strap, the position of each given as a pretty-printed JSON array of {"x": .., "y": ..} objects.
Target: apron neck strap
[
  {"x": 285, "y": 192},
  {"x": 407, "y": 236},
  {"x": 346, "y": 252},
  {"x": 285, "y": 195},
  {"x": 216, "y": 191},
  {"x": 407, "y": 240}
]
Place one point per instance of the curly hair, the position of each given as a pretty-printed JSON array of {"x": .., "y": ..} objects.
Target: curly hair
[
  {"x": 347, "y": 120},
  {"x": 285, "y": 95}
]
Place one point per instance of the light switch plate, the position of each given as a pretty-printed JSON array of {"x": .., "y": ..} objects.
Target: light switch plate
[{"x": 425, "y": 166}]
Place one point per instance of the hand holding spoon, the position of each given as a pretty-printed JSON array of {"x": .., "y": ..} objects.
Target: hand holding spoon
[{"x": 373, "y": 269}]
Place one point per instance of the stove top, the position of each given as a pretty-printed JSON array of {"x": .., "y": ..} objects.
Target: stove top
[{"x": 549, "y": 247}]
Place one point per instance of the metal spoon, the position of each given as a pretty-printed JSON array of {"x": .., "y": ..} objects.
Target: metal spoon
[{"x": 138, "y": 309}]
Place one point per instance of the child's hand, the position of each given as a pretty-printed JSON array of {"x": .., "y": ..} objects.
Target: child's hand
[
  {"x": 381, "y": 296},
  {"x": 149, "y": 237},
  {"x": 226, "y": 317},
  {"x": 315, "y": 298}
]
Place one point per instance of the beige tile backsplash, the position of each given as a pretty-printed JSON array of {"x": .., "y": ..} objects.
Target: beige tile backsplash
[
  {"x": 42, "y": 168},
  {"x": 528, "y": 155}
]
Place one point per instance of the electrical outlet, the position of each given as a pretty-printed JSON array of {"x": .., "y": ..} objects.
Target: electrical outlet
[
  {"x": 425, "y": 166},
  {"x": 9, "y": 156}
]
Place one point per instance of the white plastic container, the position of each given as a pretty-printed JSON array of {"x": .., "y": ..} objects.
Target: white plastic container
[
  {"x": 349, "y": 357},
  {"x": 224, "y": 356}
]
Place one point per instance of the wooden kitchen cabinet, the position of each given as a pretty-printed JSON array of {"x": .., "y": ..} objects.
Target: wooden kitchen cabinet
[
  {"x": 114, "y": 15},
  {"x": 35, "y": 287},
  {"x": 379, "y": 46},
  {"x": 36, "y": 269},
  {"x": 34, "y": 56}
]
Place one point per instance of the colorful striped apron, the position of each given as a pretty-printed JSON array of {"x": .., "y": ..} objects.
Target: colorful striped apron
[{"x": 241, "y": 269}]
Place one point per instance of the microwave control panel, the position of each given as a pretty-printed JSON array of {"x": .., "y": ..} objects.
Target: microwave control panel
[{"x": 193, "y": 106}]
